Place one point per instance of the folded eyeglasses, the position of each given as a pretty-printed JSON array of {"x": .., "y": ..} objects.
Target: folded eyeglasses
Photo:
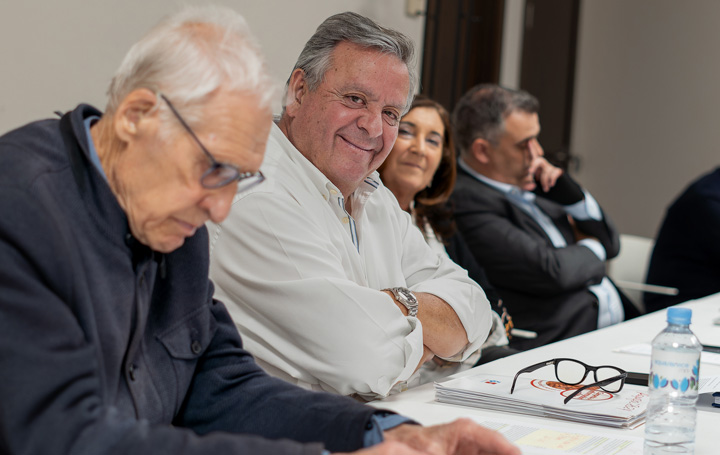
[{"x": 573, "y": 372}]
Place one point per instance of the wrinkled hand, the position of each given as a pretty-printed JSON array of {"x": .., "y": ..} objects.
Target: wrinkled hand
[
  {"x": 387, "y": 448},
  {"x": 461, "y": 437}
]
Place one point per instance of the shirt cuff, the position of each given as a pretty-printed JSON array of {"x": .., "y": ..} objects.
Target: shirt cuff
[
  {"x": 594, "y": 246},
  {"x": 379, "y": 422},
  {"x": 587, "y": 209}
]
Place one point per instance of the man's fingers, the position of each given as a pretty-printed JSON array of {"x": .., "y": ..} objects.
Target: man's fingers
[
  {"x": 389, "y": 448},
  {"x": 461, "y": 437},
  {"x": 476, "y": 439}
]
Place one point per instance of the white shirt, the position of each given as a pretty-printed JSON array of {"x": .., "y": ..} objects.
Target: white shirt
[{"x": 302, "y": 279}]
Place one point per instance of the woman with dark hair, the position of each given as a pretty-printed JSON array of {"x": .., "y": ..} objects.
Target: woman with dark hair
[{"x": 421, "y": 171}]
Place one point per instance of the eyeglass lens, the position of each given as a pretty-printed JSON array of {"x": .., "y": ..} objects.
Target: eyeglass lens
[{"x": 573, "y": 372}]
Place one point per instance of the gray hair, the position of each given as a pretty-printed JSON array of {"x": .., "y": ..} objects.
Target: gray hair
[
  {"x": 481, "y": 113},
  {"x": 190, "y": 55},
  {"x": 316, "y": 57}
]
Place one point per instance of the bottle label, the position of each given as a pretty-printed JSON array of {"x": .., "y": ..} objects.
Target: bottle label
[{"x": 674, "y": 370}]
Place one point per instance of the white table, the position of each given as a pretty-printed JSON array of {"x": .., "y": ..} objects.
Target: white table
[{"x": 595, "y": 348}]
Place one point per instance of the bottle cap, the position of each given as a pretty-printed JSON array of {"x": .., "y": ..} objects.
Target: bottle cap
[{"x": 679, "y": 315}]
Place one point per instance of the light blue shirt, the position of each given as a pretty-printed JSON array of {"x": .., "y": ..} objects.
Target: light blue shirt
[
  {"x": 94, "y": 157},
  {"x": 379, "y": 422},
  {"x": 610, "y": 309}
]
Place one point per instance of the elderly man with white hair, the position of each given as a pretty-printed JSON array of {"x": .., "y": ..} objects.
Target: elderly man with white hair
[{"x": 110, "y": 340}]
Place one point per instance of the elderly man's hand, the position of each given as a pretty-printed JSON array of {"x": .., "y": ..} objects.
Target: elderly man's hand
[
  {"x": 386, "y": 448},
  {"x": 461, "y": 437}
]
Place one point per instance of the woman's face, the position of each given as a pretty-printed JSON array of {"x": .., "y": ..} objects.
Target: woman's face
[{"x": 417, "y": 152}]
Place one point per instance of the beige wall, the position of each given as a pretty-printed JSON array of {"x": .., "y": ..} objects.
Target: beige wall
[
  {"x": 646, "y": 103},
  {"x": 645, "y": 97},
  {"x": 55, "y": 54}
]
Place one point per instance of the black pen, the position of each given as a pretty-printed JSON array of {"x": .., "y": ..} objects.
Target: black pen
[{"x": 707, "y": 348}]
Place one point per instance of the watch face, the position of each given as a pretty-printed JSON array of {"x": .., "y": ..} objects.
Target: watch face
[{"x": 407, "y": 295}]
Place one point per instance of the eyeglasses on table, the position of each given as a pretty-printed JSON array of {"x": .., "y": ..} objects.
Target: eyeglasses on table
[{"x": 573, "y": 372}]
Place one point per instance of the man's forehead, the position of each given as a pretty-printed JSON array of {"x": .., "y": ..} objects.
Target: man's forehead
[
  {"x": 521, "y": 125},
  {"x": 344, "y": 63}
]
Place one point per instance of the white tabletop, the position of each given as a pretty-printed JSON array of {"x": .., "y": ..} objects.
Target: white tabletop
[{"x": 595, "y": 348}]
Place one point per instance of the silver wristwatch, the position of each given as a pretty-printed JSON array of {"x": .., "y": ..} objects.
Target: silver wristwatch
[{"x": 407, "y": 298}]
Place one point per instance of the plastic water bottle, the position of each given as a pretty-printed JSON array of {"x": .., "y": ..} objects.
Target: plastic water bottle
[{"x": 673, "y": 386}]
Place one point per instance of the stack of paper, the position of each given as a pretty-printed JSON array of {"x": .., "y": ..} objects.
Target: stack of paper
[{"x": 539, "y": 397}]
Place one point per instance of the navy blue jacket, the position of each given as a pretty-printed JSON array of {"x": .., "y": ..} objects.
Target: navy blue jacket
[
  {"x": 107, "y": 347},
  {"x": 687, "y": 249}
]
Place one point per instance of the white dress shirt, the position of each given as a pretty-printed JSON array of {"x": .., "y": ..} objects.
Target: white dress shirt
[{"x": 302, "y": 279}]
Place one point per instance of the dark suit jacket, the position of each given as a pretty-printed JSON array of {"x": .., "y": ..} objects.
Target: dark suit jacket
[
  {"x": 544, "y": 288},
  {"x": 688, "y": 246}
]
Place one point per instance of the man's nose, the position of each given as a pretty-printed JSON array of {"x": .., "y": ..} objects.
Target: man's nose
[
  {"x": 371, "y": 122},
  {"x": 217, "y": 202},
  {"x": 536, "y": 149}
]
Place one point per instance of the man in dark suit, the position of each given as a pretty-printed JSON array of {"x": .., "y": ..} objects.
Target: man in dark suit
[
  {"x": 542, "y": 239},
  {"x": 686, "y": 249}
]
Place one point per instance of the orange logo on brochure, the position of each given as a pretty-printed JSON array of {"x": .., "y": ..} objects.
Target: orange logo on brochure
[{"x": 591, "y": 394}]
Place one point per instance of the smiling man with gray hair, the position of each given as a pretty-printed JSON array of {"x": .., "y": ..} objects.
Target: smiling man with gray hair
[{"x": 343, "y": 294}]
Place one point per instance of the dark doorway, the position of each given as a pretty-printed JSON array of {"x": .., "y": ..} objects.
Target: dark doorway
[
  {"x": 463, "y": 41},
  {"x": 548, "y": 70}
]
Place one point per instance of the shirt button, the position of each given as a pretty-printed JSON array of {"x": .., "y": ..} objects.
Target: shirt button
[
  {"x": 333, "y": 191},
  {"x": 196, "y": 347},
  {"x": 345, "y": 220},
  {"x": 131, "y": 372}
]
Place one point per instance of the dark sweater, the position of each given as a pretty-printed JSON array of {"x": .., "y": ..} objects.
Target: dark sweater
[{"x": 108, "y": 347}]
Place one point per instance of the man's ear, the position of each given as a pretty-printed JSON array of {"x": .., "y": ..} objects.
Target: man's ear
[
  {"x": 131, "y": 112},
  {"x": 481, "y": 150},
  {"x": 297, "y": 88}
]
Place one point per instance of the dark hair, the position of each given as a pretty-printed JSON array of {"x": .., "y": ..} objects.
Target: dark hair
[
  {"x": 481, "y": 113},
  {"x": 430, "y": 202}
]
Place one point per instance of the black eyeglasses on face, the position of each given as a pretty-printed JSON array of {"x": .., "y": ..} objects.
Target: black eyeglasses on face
[
  {"x": 219, "y": 174},
  {"x": 573, "y": 372}
]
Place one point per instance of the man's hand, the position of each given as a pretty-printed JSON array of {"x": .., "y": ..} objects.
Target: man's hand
[
  {"x": 546, "y": 174},
  {"x": 386, "y": 448},
  {"x": 579, "y": 235},
  {"x": 461, "y": 437}
]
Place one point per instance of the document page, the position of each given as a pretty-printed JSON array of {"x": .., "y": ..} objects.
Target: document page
[
  {"x": 646, "y": 349},
  {"x": 550, "y": 440}
]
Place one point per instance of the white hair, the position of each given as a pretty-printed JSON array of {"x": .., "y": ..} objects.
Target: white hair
[{"x": 189, "y": 56}]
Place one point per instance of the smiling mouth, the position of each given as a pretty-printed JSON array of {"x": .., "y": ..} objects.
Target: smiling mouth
[
  {"x": 414, "y": 165},
  {"x": 352, "y": 144}
]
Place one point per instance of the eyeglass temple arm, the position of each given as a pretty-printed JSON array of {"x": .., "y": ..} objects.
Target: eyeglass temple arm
[
  {"x": 187, "y": 128},
  {"x": 530, "y": 369},
  {"x": 620, "y": 377}
]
